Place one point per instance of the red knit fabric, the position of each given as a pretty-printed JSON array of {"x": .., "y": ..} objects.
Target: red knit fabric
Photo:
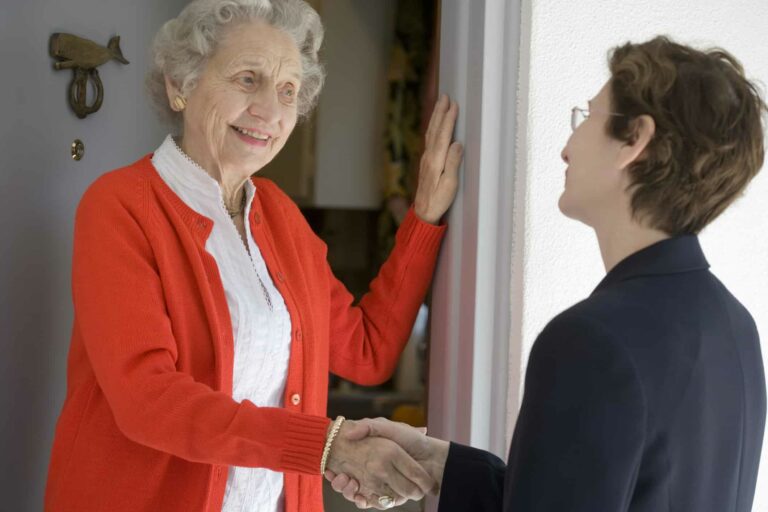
[{"x": 149, "y": 423}]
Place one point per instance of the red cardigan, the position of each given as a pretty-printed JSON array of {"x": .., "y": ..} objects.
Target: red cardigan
[{"x": 149, "y": 423}]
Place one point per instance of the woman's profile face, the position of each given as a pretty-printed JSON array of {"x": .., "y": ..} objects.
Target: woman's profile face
[
  {"x": 594, "y": 182},
  {"x": 244, "y": 105}
]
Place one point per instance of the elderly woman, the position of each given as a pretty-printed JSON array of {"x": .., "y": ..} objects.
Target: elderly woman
[
  {"x": 649, "y": 395},
  {"x": 206, "y": 316}
]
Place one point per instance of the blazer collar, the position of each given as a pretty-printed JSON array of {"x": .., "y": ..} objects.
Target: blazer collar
[{"x": 671, "y": 256}]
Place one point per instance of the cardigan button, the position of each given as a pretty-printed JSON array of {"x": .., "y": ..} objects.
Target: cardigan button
[
  {"x": 296, "y": 399},
  {"x": 280, "y": 277},
  {"x": 298, "y": 334},
  {"x": 256, "y": 218}
]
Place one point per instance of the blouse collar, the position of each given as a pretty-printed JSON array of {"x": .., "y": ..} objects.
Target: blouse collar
[{"x": 188, "y": 179}]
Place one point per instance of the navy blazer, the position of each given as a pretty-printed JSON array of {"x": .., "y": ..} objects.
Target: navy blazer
[{"x": 647, "y": 396}]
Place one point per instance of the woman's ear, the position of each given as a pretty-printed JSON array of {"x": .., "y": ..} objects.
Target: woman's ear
[
  {"x": 176, "y": 99},
  {"x": 643, "y": 129}
]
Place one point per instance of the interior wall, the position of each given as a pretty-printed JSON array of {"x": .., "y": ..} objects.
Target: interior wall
[
  {"x": 40, "y": 186},
  {"x": 351, "y": 112},
  {"x": 563, "y": 64}
]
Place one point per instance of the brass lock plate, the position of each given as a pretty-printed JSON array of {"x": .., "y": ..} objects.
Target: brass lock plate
[{"x": 78, "y": 150}]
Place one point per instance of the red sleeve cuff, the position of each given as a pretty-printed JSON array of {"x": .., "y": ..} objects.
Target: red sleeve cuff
[
  {"x": 420, "y": 235},
  {"x": 304, "y": 443}
]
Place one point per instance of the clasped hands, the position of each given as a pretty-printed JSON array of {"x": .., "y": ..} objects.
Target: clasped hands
[{"x": 377, "y": 463}]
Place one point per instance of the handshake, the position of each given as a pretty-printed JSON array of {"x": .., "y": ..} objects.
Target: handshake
[{"x": 377, "y": 463}]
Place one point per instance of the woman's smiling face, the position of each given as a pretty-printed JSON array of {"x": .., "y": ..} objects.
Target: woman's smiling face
[{"x": 244, "y": 106}]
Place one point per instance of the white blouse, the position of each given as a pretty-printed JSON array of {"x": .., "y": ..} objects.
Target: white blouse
[{"x": 260, "y": 322}]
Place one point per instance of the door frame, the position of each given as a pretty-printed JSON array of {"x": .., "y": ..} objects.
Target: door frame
[{"x": 475, "y": 365}]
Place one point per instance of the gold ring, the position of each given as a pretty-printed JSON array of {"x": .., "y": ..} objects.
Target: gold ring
[{"x": 386, "y": 501}]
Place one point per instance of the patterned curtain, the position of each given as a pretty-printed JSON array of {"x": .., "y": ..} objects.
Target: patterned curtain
[{"x": 412, "y": 92}]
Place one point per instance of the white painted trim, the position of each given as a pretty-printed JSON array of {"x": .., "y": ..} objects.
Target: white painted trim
[
  {"x": 471, "y": 312},
  {"x": 517, "y": 357}
]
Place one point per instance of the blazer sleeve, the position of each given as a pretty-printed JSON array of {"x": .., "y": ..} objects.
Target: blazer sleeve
[
  {"x": 366, "y": 339},
  {"x": 121, "y": 315},
  {"x": 580, "y": 433},
  {"x": 473, "y": 480}
]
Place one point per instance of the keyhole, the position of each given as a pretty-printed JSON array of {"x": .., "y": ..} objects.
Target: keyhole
[{"x": 78, "y": 150}]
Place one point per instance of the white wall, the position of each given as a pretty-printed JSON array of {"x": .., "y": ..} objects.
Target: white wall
[
  {"x": 563, "y": 64},
  {"x": 40, "y": 186}
]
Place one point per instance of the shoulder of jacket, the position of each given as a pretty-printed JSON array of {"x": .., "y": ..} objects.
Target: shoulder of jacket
[
  {"x": 581, "y": 341},
  {"x": 582, "y": 324},
  {"x": 579, "y": 317}
]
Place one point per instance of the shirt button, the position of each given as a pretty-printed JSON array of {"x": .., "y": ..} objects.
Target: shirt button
[{"x": 296, "y": 399}]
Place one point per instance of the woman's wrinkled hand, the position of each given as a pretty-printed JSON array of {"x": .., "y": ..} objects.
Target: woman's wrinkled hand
[
  {"x": 439, "y": 168},
  {"x": 379, "y": 466},
  {"x": 430, "y": 453}
]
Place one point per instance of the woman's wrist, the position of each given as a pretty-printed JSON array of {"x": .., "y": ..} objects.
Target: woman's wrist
[
  {"x": 332, "y": 432},
  {"x": 425, "y": 216},
  {"x": 435, "y": 466}
]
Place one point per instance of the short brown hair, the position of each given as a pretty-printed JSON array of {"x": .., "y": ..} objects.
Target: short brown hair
[{"x": 708, "y": 143}]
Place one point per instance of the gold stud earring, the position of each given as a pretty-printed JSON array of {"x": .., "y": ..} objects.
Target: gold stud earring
[{"x": 179, "y": 103}]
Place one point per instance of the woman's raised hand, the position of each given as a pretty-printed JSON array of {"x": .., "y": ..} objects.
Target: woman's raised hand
[{"x": 439, "y": 168}]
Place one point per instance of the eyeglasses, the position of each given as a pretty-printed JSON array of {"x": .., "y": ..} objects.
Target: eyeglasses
[{"x": 579, "y": 115}]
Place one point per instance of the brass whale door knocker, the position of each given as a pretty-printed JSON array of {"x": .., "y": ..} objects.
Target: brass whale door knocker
[{"x": 83, "y": 57}]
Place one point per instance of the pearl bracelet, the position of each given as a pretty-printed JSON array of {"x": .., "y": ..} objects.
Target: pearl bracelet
[{"x": 328, "y": 442}]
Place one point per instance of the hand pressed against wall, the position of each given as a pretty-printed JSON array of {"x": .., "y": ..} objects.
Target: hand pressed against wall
[{"x": 439, "y": 169}]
